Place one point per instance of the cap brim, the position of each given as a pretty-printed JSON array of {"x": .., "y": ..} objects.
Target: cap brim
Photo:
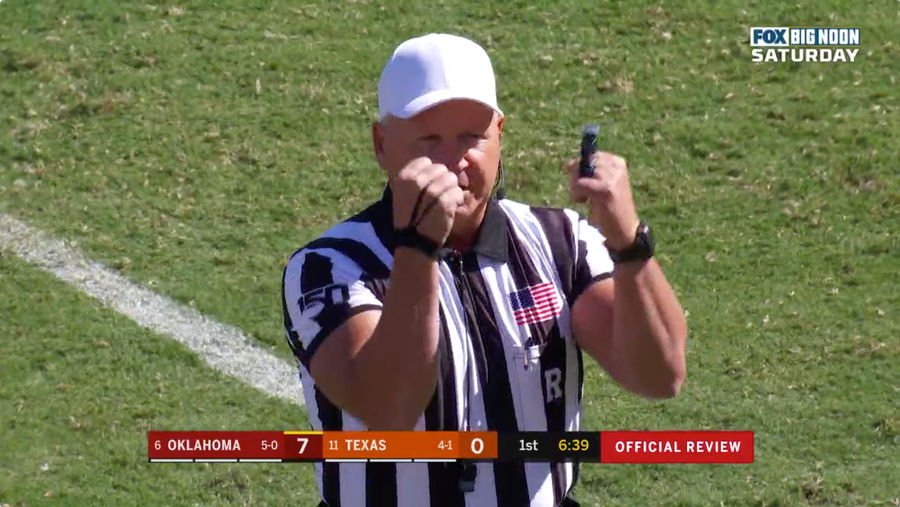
[{"x": 436, "y": 97}]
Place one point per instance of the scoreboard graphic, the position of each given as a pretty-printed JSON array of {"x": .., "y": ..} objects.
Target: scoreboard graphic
[{"x": 436, "y": 446}]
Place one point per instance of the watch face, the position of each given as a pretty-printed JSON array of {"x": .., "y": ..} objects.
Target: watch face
[
  {"x": 647, "y": 238},
  {"x": 652, "y": 239},
  {"x": 641, "y": 249}
]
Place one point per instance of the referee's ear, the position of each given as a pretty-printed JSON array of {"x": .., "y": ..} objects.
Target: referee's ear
[{"x": 378, "y": 142}]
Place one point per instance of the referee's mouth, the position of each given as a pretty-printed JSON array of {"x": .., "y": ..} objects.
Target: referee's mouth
[{"x": 462, "y": 180}]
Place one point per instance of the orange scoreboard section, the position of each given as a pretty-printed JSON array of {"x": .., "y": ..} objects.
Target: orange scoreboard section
[{"x": 426, "y": 446}]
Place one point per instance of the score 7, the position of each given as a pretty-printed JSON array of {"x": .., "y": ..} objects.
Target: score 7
[
  {"x": 302, "y": 446},
  {"x": 302, "y": 441}
]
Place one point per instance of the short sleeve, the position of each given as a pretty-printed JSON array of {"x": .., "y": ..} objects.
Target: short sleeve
[
  {"x": 321, "y": 290},
  {"x": 592, "y": 262}
]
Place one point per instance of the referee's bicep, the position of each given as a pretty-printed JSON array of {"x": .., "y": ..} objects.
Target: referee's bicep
[
  {"x": 592, "y": 323},
  {"x": 332, "y": 365}
]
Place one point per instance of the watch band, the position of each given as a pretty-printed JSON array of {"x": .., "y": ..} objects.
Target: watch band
[
  {"x": 410, "y": 237},
  {"x": 642, "y": 248}
]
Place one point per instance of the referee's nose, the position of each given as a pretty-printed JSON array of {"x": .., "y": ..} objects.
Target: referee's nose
[{"x": 455, "y": 157}]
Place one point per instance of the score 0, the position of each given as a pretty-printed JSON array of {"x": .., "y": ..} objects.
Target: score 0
[{"x": 478, "y": 445}]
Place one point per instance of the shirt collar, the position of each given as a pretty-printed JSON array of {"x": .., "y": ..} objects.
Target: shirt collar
[{"x": 491, "y": 240}]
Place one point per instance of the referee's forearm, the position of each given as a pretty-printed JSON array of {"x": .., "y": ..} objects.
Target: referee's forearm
[
  {"x": 649, "y": 329},
  {"x": 396, "y": 369}
]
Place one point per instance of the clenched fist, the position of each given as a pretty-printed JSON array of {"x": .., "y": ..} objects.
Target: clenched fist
[
  {"x": 608, "y": 194},
  {"x": 426, "y": 195}
]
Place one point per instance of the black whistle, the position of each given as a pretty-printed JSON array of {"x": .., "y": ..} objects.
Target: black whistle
[
  {"x": 589, "y": 136},
  {"x": 467, "y": 476}
]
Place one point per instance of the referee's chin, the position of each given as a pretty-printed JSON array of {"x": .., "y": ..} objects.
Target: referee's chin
[{"x": 473, "y": 205}]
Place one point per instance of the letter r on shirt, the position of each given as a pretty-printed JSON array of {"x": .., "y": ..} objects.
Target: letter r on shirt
[{"x": 552, "y": 377}]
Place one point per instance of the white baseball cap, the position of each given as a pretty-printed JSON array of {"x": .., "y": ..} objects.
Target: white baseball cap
[{"x": 428, "y": 70}]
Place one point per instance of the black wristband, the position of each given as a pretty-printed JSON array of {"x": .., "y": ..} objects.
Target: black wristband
[
  {"x": 641, "y": 250},
  {"x": 410, "y": 237}
]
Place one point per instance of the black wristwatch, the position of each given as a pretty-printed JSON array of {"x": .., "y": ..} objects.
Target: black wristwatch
[
  {"x": 410, "y": 237},
  {"x": 640, "y": 250}
]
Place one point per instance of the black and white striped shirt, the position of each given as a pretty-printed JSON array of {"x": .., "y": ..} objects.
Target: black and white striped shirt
[{"x": 508, "y": 360}]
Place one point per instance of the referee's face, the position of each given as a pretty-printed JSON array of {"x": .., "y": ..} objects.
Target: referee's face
[{"x": 460, "y": 134}]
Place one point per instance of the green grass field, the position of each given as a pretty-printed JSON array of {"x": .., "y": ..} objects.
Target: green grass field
[{"x": 193, "y": 146}]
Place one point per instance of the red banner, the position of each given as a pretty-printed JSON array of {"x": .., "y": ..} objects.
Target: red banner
[
  {"x": 676, "y": 447},
  {"x": 217, "y": 445}
]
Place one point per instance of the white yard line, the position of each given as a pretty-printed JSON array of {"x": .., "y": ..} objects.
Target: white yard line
[{"x": 223, "y": 347}]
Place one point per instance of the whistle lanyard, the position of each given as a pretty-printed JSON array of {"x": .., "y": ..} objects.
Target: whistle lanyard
[{"x": 468, "y": 470}]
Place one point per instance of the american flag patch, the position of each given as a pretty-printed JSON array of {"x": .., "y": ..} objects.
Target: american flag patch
[{"x": 536, "y": 303}]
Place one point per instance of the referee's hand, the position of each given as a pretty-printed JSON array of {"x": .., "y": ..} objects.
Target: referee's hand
[
  {"x": 608, "y": 194},
  {"x": 436, "y": 208}
]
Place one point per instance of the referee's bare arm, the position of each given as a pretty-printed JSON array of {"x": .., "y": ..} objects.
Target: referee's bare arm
[
  {"x": 381, "y": 366},
  {"x": 632, "y": 324}
]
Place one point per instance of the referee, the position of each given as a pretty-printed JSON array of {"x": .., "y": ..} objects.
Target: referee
[{"x": 441, "y": 307}]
